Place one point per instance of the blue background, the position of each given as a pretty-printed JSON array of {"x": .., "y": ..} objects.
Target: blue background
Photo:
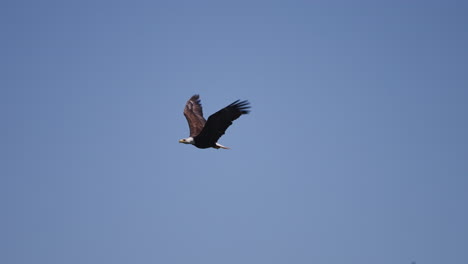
[{"x": 355, "y": 150}]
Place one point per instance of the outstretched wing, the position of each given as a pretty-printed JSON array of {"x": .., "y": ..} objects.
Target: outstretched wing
[
  {"x": 218, "y": 122},
  {"x": 193, "y": 112}
]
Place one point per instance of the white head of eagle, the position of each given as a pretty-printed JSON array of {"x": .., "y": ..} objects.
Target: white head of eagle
[{"x": 205, "y": 133}]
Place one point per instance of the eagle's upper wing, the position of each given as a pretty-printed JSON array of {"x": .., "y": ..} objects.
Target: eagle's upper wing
[
  {"x": 218, "y": 122},
  {"x": 193, "y": 112}
]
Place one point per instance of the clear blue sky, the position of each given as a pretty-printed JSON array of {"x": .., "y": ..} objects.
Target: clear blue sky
[{"x": 355, "y": 151}]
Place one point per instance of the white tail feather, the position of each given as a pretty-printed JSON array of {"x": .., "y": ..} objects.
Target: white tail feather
[{"x": 221, "y": 146}]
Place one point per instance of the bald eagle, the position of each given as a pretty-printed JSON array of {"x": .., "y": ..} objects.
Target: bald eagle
[{"x": 205, "y": 134}]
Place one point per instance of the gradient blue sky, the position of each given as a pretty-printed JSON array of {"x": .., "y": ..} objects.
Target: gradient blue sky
[{"x": 355, "y": 150}]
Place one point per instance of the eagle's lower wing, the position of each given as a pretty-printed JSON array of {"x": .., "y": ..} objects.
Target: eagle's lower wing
[
  {"x": 193, "y": 112},
  {"x": 218, "y": 122}
]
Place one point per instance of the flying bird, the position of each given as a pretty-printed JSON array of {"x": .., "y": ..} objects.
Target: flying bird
[{"x": 205, "y": 133}]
